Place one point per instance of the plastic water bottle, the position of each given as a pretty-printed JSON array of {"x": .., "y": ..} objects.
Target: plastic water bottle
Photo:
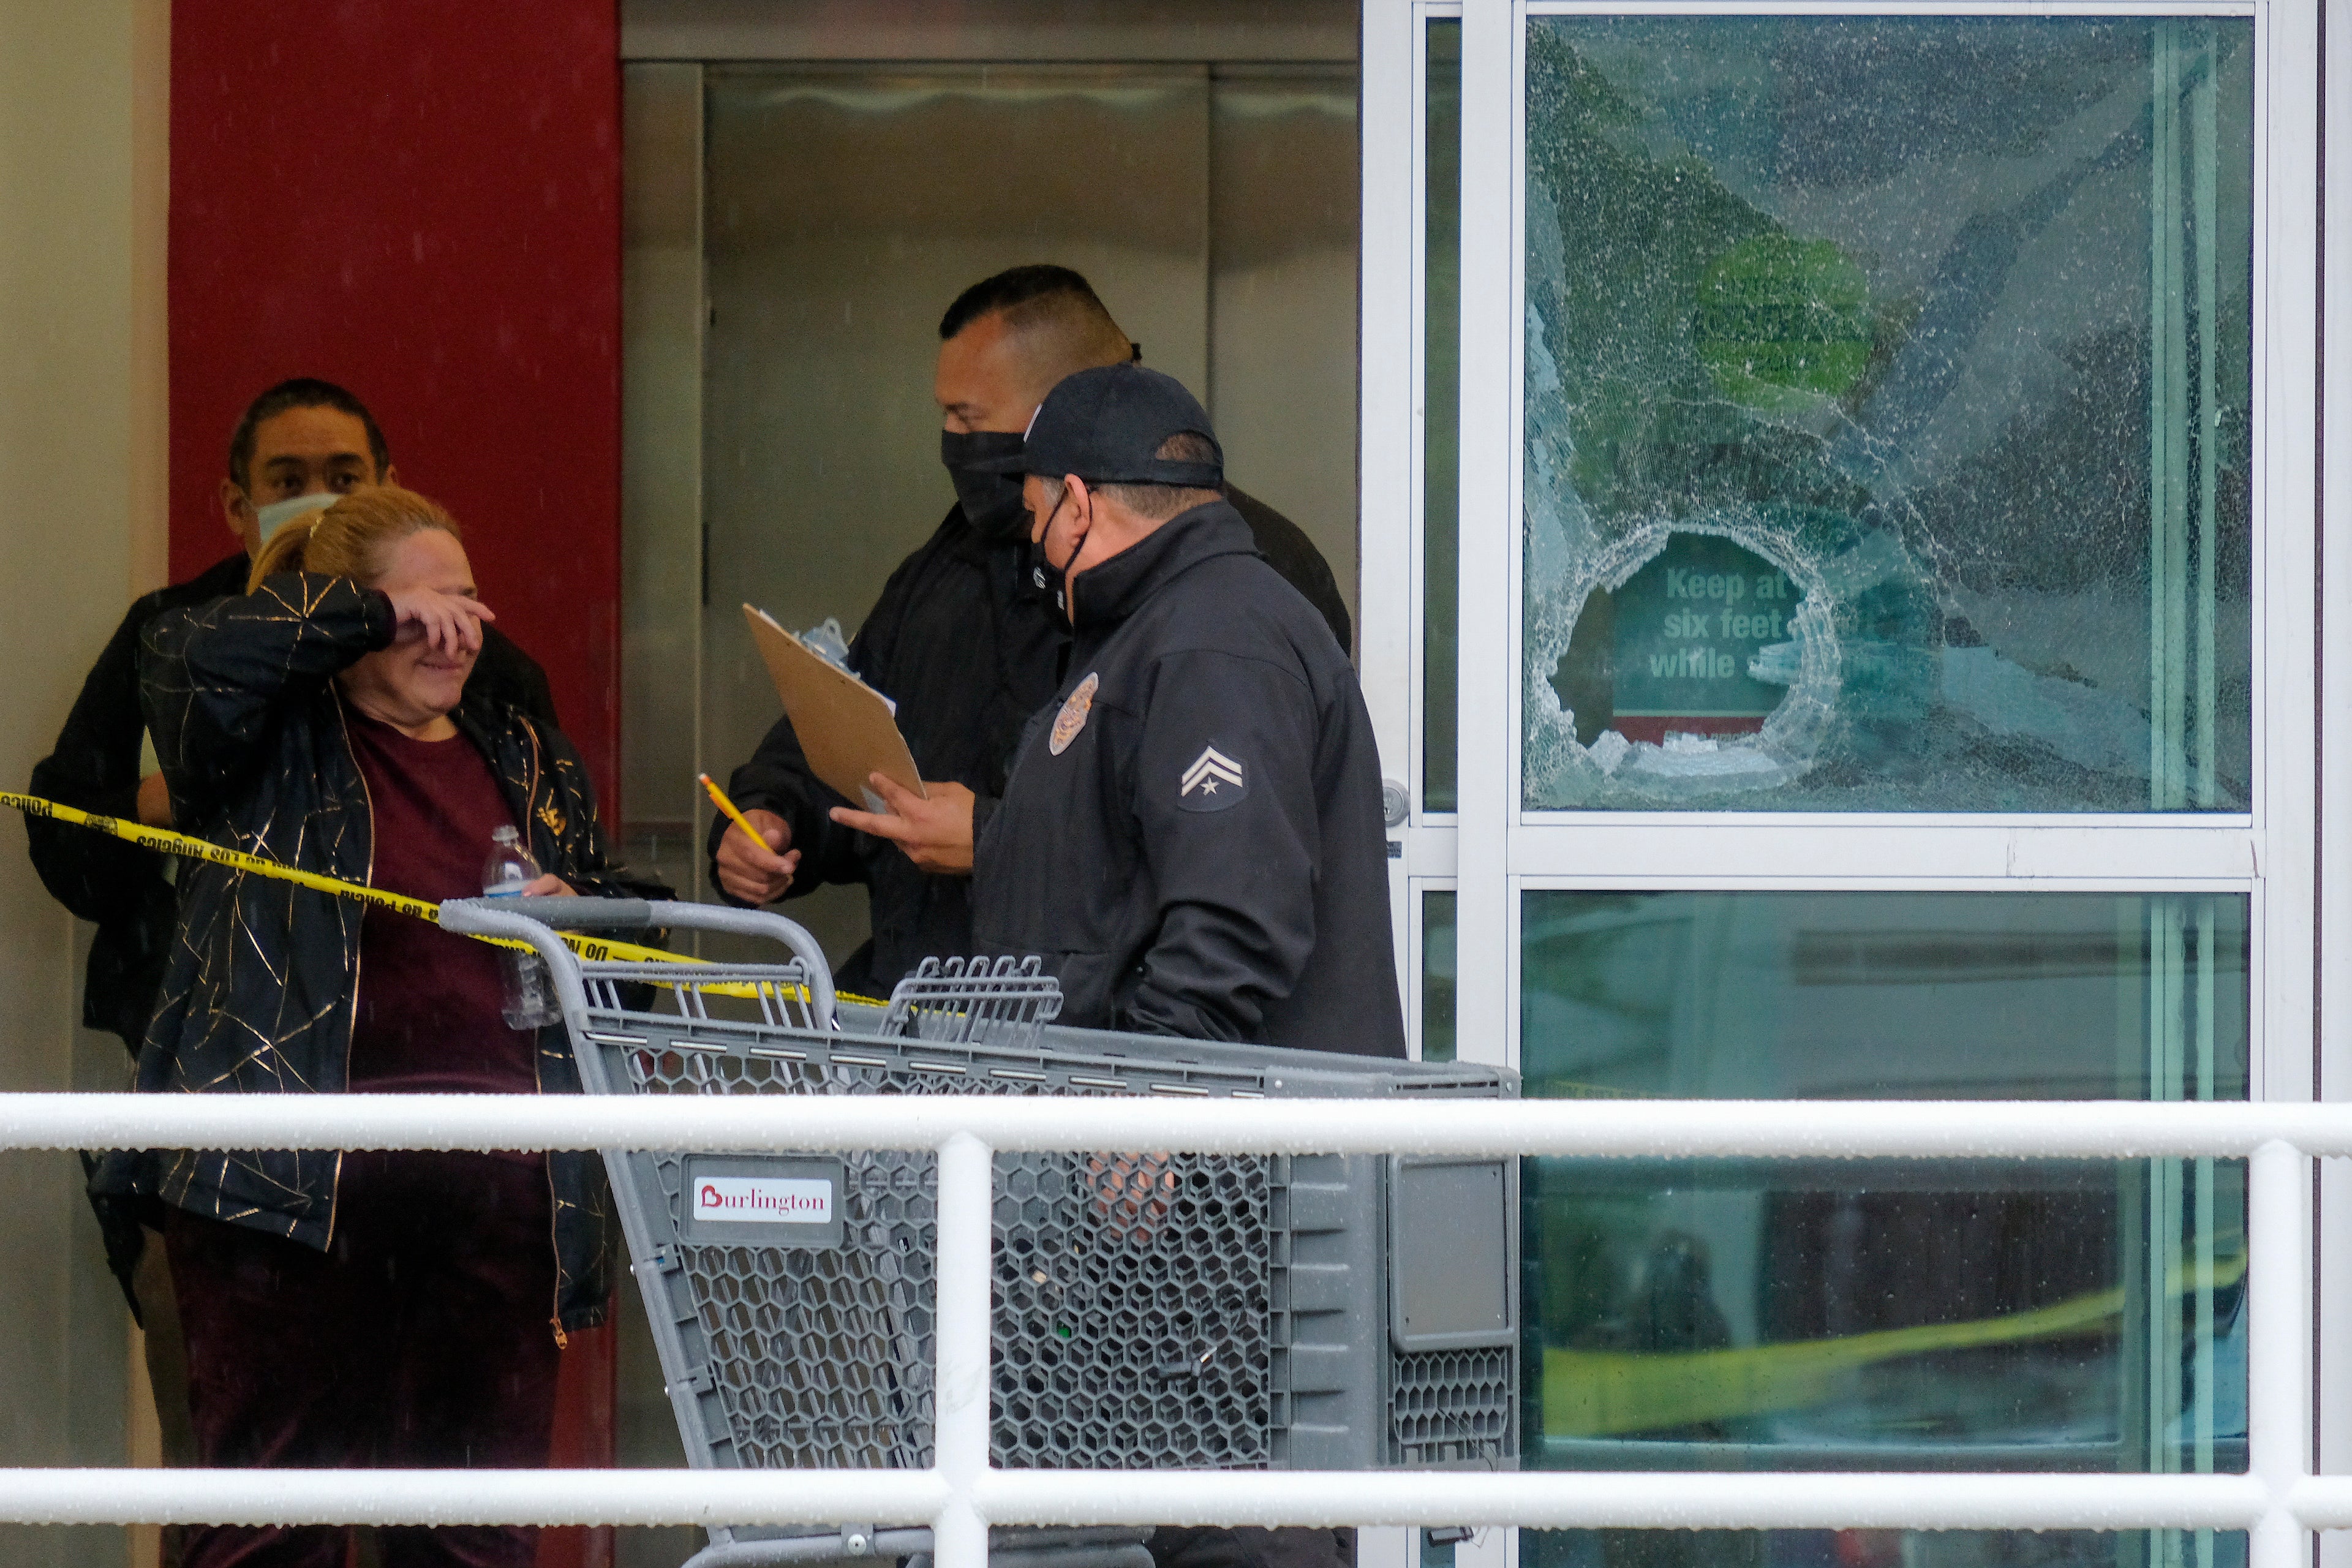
[{"x": 530, "y": 998}]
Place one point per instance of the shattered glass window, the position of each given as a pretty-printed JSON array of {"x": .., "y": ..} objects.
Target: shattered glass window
[{"x": 1887, "y": 398}]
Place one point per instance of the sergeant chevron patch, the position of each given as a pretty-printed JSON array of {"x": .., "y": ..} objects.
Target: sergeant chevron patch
[{"x": 1213, "y": 782}]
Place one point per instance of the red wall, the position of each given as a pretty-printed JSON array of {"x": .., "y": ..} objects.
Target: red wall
[{"x": 419, "y": 199}]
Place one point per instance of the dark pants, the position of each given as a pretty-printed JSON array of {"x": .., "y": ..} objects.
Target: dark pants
[
  {"x": 167, "y": 1370},
  {"x": 420, "y": 1339},
  {"x": 1246, "y": 1546}
]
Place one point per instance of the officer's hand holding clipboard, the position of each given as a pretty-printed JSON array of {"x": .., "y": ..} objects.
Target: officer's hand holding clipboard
[
  {"x": 851, "y": 738},
  {"x": 845, "y": 726}
]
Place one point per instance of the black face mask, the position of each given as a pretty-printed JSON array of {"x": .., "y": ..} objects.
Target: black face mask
[
  {"x": 1055, "y": 581},
  {"x": 986, "y": 468}
]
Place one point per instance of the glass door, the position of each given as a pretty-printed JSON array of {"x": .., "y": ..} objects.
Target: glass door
[{"x": 1853, "y": 640}]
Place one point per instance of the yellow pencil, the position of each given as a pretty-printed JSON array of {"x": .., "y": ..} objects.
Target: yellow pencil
[{"x": 718, "y": 798}]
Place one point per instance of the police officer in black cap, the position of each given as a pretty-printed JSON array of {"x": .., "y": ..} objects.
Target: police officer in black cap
[{"x": 1191, "y": 835}]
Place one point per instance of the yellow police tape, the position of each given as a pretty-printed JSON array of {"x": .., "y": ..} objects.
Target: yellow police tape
[
  {"x": 1585, "y": 1392},
  {"x": 597, "y": 949},
  {"x": 1597, "y": 1393}
]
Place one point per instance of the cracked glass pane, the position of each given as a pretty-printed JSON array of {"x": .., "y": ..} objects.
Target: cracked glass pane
[{"x": 1888, "y": 414}]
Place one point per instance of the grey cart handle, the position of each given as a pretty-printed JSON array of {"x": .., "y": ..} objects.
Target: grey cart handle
[
  {"x": 576, "y": 913},
  {"x": 535, "y": 920}
]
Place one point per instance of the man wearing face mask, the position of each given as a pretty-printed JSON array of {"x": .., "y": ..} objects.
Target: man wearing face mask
[
  {"x": 298, "y": 446},
  {"x": 962, "y": 638},
  {"x": 1192, "y": 836}
]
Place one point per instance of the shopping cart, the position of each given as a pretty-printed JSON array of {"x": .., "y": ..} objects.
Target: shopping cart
[{"x": 1148, "y": 1310}]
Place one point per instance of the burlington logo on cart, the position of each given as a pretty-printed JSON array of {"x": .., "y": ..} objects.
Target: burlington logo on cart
[{"x": 763, "y": 1199}]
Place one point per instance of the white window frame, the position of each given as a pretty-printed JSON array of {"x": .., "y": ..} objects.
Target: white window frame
[
  {"x": 1495, "y": 844},
  {"x": 1492, "y": 849},
  {"x": 2327, "y": 482}
]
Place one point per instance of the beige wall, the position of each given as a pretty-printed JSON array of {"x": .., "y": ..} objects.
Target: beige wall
[{"x": 82, "y": 169}]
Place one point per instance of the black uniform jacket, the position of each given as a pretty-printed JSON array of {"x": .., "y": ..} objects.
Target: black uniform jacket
[
  {"x": 968, "y": 646},
  {"x": 125, "y": 889},
  {"x": 1192, "y": 836},
  {"x": 261, "y": 981}
]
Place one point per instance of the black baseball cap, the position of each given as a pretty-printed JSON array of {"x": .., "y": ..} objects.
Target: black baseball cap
[{"x": 1104, "y": 424}]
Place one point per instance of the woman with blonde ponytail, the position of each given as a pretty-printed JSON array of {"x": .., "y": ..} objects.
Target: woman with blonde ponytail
[
  {"x": 348, "y": 539},
  {"x": 364, "y": 537},
  {"x": 361, "y": 1309}
]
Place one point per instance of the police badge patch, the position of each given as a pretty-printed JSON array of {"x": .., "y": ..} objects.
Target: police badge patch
[
  {"x": 1072, "y": 716},
  {"x": 1213, "y": 782}
]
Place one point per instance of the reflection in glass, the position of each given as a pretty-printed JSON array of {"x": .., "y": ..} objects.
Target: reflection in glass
[
  {"x": 1283, "y": 236},
  {"x": 1877, "y": 1549},
  {"x": 1888, "y": 396},
  {"x": 1900, "y": 1314},
  {"x": 1437, "y": 977},
  {"x": 1440, "y": 415}
]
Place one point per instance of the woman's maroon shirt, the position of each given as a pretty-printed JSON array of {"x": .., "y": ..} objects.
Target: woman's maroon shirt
[{"x": 429, "y": 1020}]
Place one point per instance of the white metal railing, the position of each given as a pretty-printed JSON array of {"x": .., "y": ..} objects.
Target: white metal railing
[{"x": 2276, "y": 1500}]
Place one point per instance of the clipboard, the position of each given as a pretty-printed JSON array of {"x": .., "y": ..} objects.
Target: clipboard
[{"x": 844, "y": 726}]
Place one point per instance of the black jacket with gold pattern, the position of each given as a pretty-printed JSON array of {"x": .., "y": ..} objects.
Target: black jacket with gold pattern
[{"x": 260, "y": 986}]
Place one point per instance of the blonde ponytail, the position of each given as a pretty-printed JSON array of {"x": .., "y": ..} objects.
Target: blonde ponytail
[{"x": 350, "y": 538}]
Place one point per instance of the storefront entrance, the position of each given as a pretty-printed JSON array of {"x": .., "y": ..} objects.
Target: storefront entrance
[
  {"x": 1827, "y": 581},
  {"x": 1840, "y": 457}
]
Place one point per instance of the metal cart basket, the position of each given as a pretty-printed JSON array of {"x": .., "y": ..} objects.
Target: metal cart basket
[{"x": 1148, "y": 1310}]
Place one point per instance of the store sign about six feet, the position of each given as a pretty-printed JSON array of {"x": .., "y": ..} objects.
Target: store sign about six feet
[{"x": 1688, "y": 626}]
